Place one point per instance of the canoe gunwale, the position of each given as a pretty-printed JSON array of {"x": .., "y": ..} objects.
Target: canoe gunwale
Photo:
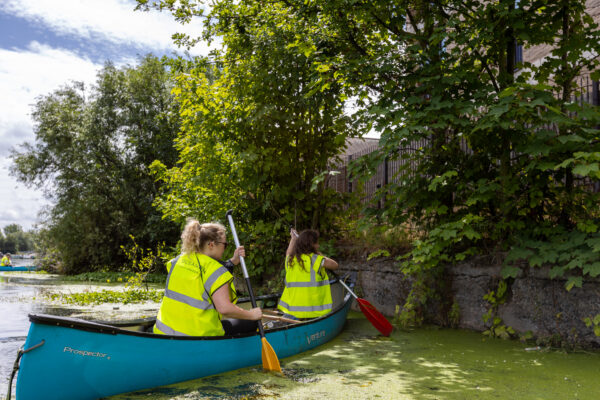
[{"x": 106, "y": 328}]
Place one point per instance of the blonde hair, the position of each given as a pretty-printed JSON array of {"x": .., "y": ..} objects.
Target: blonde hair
[{"x": 195, "y": 235}]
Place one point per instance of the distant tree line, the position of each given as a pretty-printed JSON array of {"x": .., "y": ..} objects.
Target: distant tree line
[{"x": 14, "y": 240}]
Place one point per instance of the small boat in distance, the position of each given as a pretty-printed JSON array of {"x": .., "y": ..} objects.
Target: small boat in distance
[
  {"x": 69, "y": 358},
  {"x": 19, "y": 268}
]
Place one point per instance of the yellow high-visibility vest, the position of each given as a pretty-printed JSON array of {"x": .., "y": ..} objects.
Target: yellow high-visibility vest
[
  {"x": 5, "y": 262},
  {"x": 307, "y": 293},
  {"x": 187, "y": 307}
]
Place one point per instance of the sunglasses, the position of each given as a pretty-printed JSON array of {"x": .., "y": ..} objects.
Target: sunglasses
[{"x": 224, "y": 244}]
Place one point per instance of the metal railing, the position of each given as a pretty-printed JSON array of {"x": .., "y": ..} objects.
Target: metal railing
[{"x": 388, "y": 170}]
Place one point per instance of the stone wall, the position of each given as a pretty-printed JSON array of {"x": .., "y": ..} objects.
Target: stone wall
[{"x": 533, "y": 303}]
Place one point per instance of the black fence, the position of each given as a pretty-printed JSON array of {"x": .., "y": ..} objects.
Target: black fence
[{"x": 387, "y": 171}]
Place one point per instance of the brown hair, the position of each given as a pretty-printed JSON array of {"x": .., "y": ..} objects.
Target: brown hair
[
  {"x": 305, "y": 244},
  {"x": 195, "y": 235}
]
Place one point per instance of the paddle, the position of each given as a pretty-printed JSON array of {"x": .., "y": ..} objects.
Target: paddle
[
  {"x": 282, "y": 319},
  {"x": 375, "y": 317},
  {"x": 269, "y": 358}
]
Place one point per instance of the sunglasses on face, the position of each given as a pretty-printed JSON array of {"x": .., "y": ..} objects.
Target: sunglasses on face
[{"x": 224, "y": 244}]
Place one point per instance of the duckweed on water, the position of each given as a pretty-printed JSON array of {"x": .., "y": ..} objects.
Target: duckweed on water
[
  {"x": 108, "y": 296},
  {"x": 418, "y": 364}
]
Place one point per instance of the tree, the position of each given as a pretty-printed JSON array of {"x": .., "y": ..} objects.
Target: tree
[
  {"x": 15, "y": 239},
  {"x": 92, "y": 152},
  {"x": 257, "y": 131},
  {"x": 12, "y": 228}
]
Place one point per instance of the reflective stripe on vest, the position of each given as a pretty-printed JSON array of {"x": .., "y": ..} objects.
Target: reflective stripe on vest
[
  {"x": 213, "y": 278},
  {"x": 187, "y": 308},
  {"x": 306, "y": 308},
  {"x": 313, "y": 278},
  {"x": 308, "y": 295},
  {"x": 167, "y": 330},
  {"x": 203, "y": 304}
]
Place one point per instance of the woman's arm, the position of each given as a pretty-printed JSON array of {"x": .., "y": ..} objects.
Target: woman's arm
[
  {"x": 229, "y": 310},
  {"x": 293, "y": 237},
  {"x": 329, "y": 263}
]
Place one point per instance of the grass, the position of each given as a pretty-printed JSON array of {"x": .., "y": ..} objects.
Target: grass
[{"x": 108, "y": 296}]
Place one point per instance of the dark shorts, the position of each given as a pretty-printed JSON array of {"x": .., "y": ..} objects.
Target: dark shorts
[{"x": 235, "y": 326}]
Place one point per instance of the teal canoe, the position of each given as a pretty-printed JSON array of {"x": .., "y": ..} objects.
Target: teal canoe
[
  {"x": 20, "y": 268},
  {"x": 68, "y": 358}
]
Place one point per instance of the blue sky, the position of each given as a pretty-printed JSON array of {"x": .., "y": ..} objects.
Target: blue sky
[{"x": 47, "y": 43}]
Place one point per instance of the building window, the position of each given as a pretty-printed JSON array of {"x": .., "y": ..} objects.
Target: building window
[{"x": 518, "y": 54}]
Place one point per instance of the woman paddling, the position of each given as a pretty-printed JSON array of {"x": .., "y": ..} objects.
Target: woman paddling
[
  {"x": 199, "y": 289},
  {"x": 6, "y": 261},
  {"x": 307, "y": 293}
]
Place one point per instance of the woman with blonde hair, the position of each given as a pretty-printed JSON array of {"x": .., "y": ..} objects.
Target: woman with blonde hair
[{"x": 199, "y": 291}]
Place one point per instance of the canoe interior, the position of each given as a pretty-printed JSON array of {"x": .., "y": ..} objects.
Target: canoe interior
[{"x": 143, "y": 326}]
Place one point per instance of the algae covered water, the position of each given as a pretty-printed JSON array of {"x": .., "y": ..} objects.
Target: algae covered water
[{"x": 424, "y": 363}]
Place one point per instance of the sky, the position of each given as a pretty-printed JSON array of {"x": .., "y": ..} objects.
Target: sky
[{"x": 45, "y": 44}]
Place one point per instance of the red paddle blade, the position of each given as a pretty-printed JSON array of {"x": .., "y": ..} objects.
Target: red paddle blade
[{"x": 375, "y": 317}]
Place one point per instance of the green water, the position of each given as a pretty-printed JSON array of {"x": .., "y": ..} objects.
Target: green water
[{"x": 417, "y": 364}]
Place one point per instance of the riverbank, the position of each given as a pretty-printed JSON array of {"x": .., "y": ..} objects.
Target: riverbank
[{"x": 532, "y": 304}]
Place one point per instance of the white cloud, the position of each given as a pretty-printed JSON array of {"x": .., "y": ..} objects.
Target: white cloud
[
  {"x": 40, "y": 69},
  {"x": 18, "y": 204},
  {"x": 111, "y": 20},
  {"x": 25, "y": 75}
]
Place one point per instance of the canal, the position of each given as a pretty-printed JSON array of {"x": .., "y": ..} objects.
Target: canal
[{"x": 425, "y": 363}]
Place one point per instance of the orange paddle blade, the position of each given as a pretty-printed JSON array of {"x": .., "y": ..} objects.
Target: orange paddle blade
[
  {"x": 375, "y": 317},
  {"x": 269, "y": 358}
]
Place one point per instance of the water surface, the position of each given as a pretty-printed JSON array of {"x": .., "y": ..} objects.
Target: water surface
[{"x": 426, "y": 363}]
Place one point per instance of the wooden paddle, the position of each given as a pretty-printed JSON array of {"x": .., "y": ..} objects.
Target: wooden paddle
[
  {"x": 375, "y": 317},
  {"x": 282, "y": 319},
  {"x": 269, "y": 358}
]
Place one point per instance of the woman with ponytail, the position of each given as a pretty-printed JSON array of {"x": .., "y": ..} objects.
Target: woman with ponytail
[{"x": 199, "y": 296}]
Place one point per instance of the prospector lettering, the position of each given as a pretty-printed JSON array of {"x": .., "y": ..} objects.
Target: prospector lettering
[{"x": 84, "y": 353}]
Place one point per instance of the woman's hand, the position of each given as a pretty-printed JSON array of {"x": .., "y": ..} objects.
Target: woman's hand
[
  {"x": 240, "y": 251},
  {"x": 256, "y": 314}
]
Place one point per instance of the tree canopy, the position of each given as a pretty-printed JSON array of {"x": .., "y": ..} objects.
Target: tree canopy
[
  {"x": 14, "y": 239},
  {"x": 91, "y": 154},
  {"x": 497, "y": 154},
  {"x": 257, "y": 129}
]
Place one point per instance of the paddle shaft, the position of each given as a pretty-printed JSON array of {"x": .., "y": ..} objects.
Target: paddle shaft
[
  {"x": 282, "y": 319},
  {"x": 245, "y": 271},
  {"x": 344, "y": 285}
]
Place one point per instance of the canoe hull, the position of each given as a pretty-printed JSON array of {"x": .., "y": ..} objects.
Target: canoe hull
[
  {"x": 85, "y": 364},
  {"x": 27, "y": 268}
]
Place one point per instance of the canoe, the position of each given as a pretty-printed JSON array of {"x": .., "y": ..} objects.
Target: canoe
[
  {"x": 69, "y": 358},
  {"x": 21, "y": 268}
]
